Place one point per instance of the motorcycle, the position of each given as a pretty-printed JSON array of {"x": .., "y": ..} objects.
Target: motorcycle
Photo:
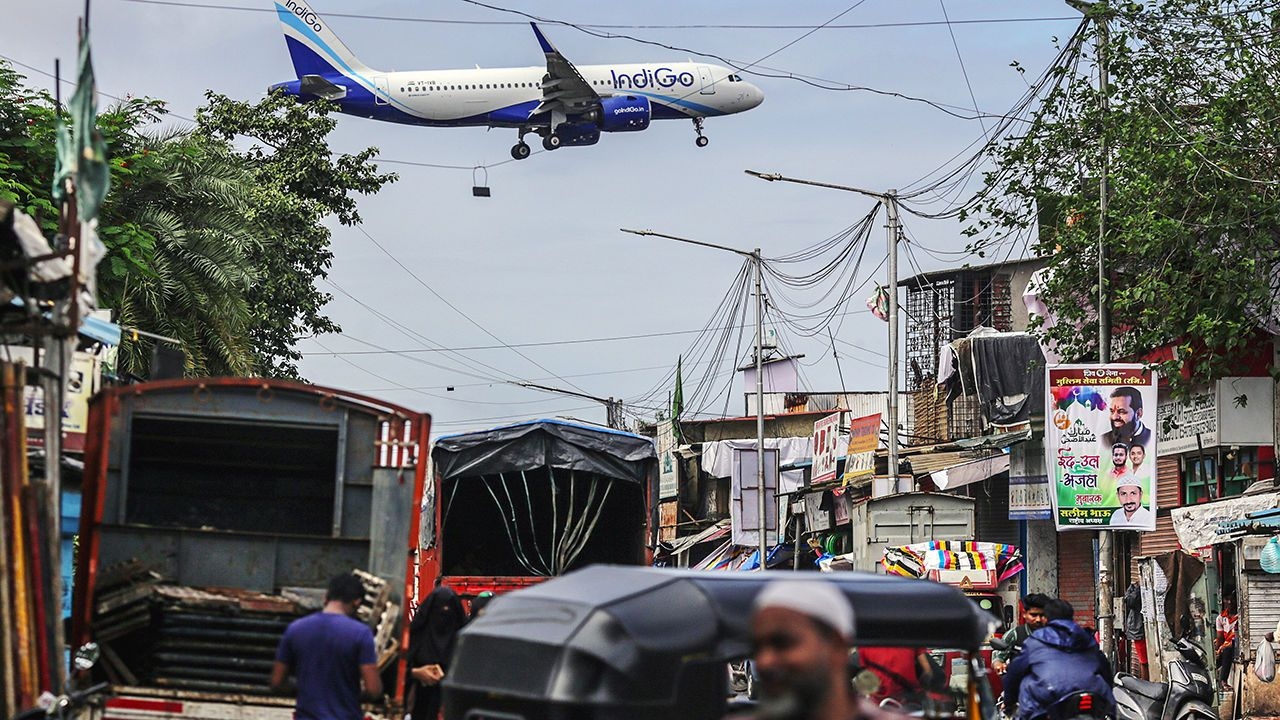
[
  {"x": 1079, "y": 705},
  {"x": 67, "y": 705},
  {"x": 1188, "y": 695}
]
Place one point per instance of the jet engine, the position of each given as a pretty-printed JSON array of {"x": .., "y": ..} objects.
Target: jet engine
[{"x": 624, "y": 113}]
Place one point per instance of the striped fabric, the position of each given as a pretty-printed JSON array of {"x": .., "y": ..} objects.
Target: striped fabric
[{"x": 918, "y": 559}]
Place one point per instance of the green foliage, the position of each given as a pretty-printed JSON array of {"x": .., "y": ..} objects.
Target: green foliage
[
  {"x": 1193, "y": 132},
  {"x": 183, "y": 246},
  {"x": 298, "y": 183},
  {"x": 208, "y": 243}
]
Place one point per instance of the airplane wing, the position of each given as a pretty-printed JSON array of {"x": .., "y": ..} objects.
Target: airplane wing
[{"x": 564, "y": 88}]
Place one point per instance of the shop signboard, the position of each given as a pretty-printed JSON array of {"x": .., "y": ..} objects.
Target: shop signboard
[
  {"x": 825, "y": 449},
  {"x": 860, "y": 457},
  {"x": 1232, "y": 411},
  {"x": 668, "y": 467},
  {"x": 1101, "y": 442},
  {"x": 82, "y": 382}
]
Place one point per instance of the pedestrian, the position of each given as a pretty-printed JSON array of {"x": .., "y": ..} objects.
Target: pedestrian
[
  {"x": 330, "y": 654},
  {"x": 1224, "y": 644},
  {"x": 1057, "y": 660},
  {"x": 433, "y": 633},
  {"x": 802, "y": 631},
  {"x": 1134, "y": 626},
  {"x": 1033, "y": 619}
]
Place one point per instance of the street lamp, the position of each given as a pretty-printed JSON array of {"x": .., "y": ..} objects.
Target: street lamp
[
  {"x": 890, "y": 200},
  {"x": 754, "y": 257}
]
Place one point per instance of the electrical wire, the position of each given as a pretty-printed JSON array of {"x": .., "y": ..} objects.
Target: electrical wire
[
  {"x": 599, "y": 26},
  {"x": 458, "y": 310}
]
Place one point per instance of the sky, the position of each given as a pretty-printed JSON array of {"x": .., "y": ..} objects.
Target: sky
[{"x": 538, "y": 278}]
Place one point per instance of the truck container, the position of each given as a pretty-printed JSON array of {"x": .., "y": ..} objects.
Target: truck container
[
  {"x": 517, "y": 504},
  {"x": 214, "y": 513}
]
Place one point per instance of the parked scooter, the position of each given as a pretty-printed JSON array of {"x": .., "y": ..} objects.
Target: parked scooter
[
  {"x": 1188, "y": 695},
  {"x": 68, "y": 705}
]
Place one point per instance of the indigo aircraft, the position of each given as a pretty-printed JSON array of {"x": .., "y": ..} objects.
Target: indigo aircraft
[{"x": 562, "y": 103}]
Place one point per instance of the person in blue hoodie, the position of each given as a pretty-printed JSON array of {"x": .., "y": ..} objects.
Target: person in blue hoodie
[{"x": 1059, "y": 659}]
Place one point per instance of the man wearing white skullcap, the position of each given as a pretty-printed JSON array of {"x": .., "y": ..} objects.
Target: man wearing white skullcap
[{"x": 802, "y": 630}]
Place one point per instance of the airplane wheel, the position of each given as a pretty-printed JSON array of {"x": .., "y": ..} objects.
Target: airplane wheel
[
  {"x": 702, "y": 140},
  {"x": 551, "y": 142},
  {"x": 520, "y": 151}
]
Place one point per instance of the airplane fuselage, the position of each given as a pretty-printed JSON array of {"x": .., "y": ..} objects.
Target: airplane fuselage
[
  {"x": 505, "y": 97},
  {"x": 565, "y": 104}
]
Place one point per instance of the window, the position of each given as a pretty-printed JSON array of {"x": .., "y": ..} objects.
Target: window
[
  {"x": 1239, "y": 470},
  {"x": 1199, "y": 479},
  {"x": 1222, "y": 472}
]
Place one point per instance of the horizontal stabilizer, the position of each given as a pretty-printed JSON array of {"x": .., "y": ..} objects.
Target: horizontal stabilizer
[{"x": 321, "y": 88}]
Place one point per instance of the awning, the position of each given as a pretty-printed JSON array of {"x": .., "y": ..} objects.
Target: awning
[
  {"x": 967, "y": 473},
  {"x": 1262, "y": 522},
  {"x": 982, "y": 442},
  {"x": 1197, "y": 525},
  {"x": 715, "y": 532}
]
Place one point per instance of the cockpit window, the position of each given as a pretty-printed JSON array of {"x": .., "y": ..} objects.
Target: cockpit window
[{"x": 735, "y": 78}]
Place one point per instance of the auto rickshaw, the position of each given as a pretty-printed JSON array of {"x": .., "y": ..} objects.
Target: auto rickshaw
[{"x": 626, "y": 643}]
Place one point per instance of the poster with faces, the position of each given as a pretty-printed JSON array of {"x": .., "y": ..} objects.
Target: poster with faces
[{"x": 1100, "y": 445}]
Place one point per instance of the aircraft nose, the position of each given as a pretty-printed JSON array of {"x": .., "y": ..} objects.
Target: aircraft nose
[{"x": 755, "y": 97}]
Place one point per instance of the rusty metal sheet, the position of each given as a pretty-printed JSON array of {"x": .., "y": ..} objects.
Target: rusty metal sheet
[{"x": 193, "y": 597}]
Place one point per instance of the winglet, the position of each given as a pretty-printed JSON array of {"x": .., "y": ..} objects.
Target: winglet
[{"x": 542, "y": 39}]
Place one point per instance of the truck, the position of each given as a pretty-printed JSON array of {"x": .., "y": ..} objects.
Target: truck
[
  {"x": 514, "y": 505},
  {"x": 214, "y": 512},
  {"x": 885, "y": 526}
]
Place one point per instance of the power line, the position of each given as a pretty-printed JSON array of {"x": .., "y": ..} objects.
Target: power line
[
  {"x": 601, "y": 26},
  {"x": 740, "y": 66},
  {"x": 458, "y": 310},
  {"x": 548, "y": 343},
  {"x": 963, "y": 71}
]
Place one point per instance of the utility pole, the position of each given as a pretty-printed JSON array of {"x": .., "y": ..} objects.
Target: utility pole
[
  {"x": 758, "y": 260},
  {"x": 1106, "y": 544},
  {"x": 613, "y": 406},
  {"x": 891, "y": 209},
  {"x": 760, "y": 487},
  {"x": 890, "y": 200}
]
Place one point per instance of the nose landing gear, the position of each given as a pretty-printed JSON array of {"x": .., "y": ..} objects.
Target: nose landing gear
[{"x": 702, "y": 139}]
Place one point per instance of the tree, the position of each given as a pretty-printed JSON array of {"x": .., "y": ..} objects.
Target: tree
[
  {"x": 185, "y": 244},
  {"x": 1193, "y": 239},
  {"x": 213, "y": 245},
  {"x": 179, "y": 259},
  {"x": 298, "y": 183}
]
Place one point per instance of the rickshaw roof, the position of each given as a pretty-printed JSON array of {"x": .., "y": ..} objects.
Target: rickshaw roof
[{"x": 620, "y": 622}]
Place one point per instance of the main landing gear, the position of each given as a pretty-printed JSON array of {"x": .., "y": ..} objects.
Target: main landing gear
[
  {"x": 697, "y": 127},
  {"x": 551, "y": 141},
  {"x": 521, "y": 150}
]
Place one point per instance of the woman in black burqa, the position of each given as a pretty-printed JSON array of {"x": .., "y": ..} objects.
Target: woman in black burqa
[{"x": 432, "y": 636}]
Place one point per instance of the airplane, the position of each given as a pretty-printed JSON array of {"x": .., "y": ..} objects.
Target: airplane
[{"x": 564, "y": 104}]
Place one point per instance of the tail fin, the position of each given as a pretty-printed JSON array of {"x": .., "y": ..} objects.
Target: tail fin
[{"x": 314, "y": 48}]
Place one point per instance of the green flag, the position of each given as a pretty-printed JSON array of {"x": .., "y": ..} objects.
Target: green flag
[
  {"x": 82, "y": 154},
  {"x": 677, "y": 399}
]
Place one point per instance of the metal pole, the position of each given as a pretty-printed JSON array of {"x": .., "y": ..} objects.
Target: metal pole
[
  {"x": 891, "y": 208},
  {"x": 1106, "y": 546},
  {"x": 760, "y": 486}
]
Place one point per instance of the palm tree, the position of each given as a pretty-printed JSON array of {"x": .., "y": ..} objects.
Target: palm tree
[{"x": 181, "y": 238}]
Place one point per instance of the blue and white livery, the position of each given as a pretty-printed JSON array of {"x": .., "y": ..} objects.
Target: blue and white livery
[{"x": 564, "y": 104}]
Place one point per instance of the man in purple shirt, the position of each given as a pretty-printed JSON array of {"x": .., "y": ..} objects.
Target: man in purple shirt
[{"x": 331, "y": 654}]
